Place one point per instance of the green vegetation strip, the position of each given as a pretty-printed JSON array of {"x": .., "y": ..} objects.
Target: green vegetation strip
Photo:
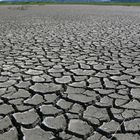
[{"x": 84, "y": 3}]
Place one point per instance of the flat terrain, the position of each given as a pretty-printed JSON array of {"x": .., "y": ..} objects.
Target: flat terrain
[{"x": 69, "y": 72}]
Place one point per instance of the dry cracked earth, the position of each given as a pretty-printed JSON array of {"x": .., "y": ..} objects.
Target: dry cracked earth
[{"x": 69, "y": 72}]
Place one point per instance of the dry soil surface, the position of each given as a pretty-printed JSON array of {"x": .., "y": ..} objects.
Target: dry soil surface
[{"x": 69, "y": 72}]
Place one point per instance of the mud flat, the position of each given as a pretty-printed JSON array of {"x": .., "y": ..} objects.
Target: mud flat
[{"x": 69, "y": 72}]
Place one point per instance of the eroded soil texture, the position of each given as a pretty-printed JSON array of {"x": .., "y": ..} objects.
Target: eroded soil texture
[{"x": 69, "y": 72}]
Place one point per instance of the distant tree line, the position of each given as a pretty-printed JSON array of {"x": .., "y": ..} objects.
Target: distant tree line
[
  {"x": 56, "y": 0},
  {"x": 125, "y": 0},
  {"x": 74, "y": 0}
]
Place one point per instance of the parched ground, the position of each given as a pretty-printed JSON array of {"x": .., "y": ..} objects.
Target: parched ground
[{"x": 69, "y": 72}]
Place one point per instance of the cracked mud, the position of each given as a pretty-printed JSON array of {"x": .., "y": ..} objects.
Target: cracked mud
[{"x": 69, "y": 73}]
